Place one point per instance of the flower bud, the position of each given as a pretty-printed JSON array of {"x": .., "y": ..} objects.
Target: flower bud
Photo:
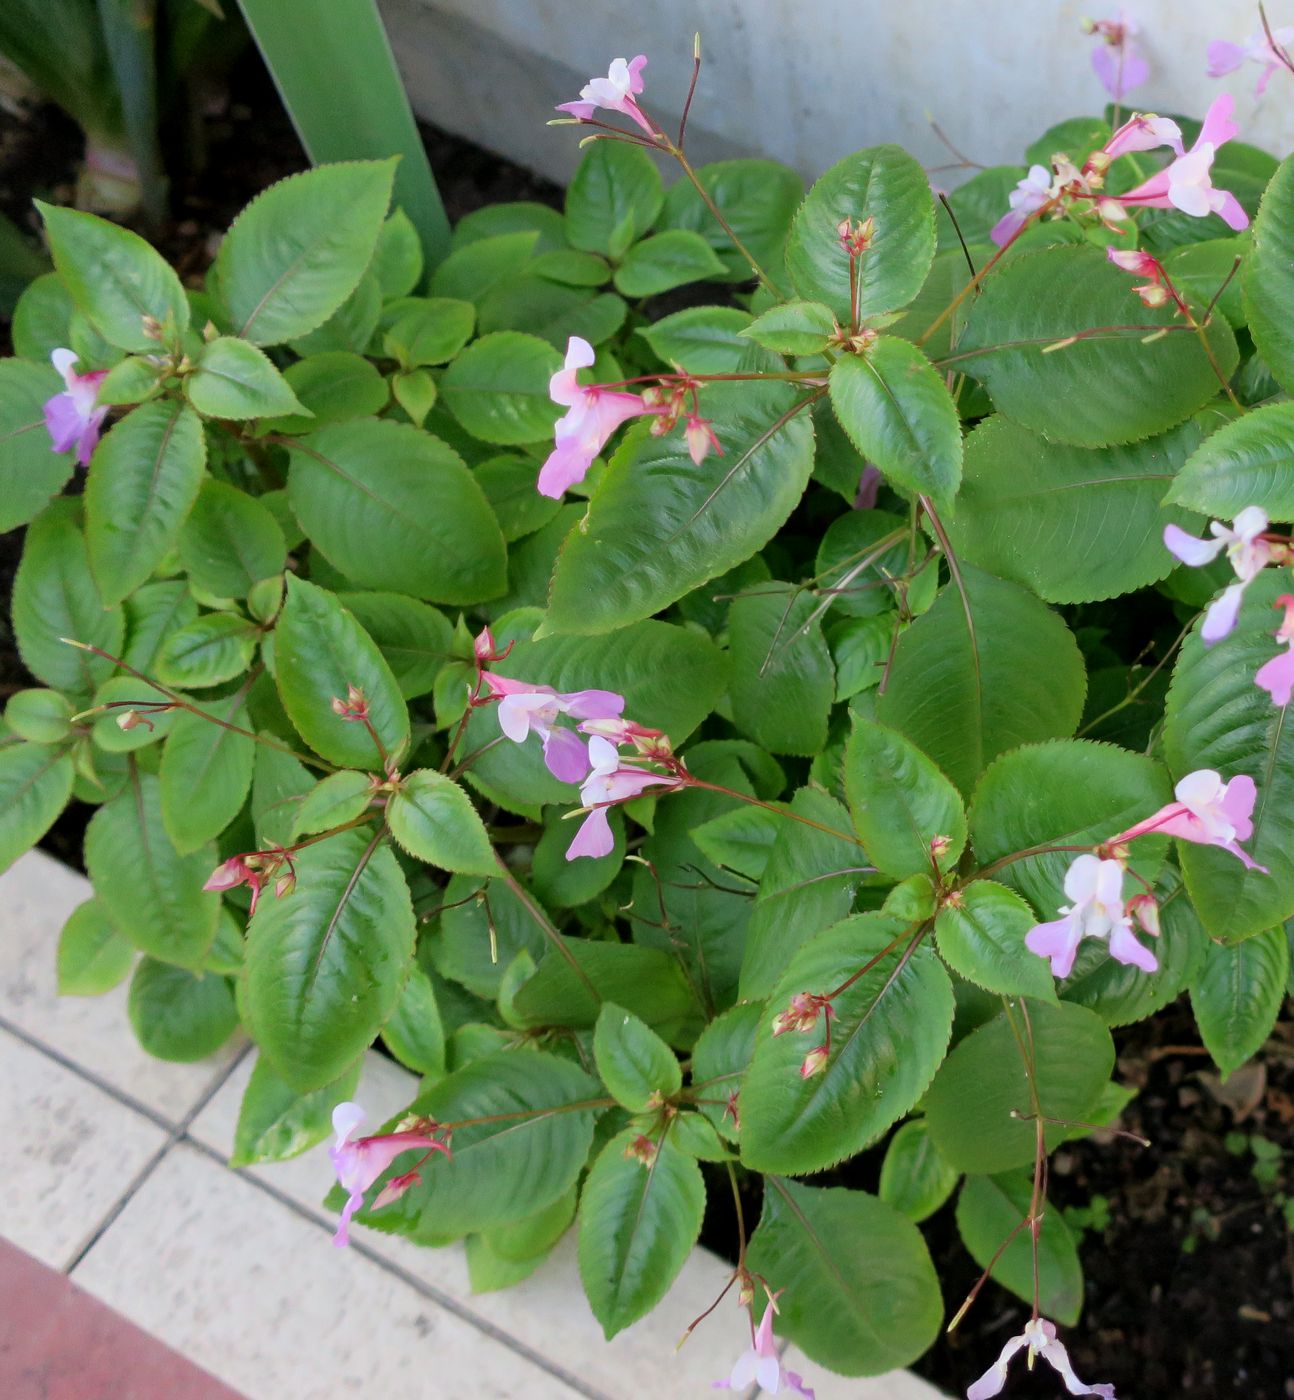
[{"x": 814, "y": 1062}]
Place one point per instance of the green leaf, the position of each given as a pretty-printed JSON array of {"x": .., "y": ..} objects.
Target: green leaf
[
  {"x": 850, "y": 541},
  {"x": 509, "y": 485},
  {"x": 861, "y": 1293},
  {"x": 981, "y": 674},
  {"x": 143, "y": 481},
  {"x": 320, "y": 650},
  {"x": 633, "y": 1061},
  {"x": 741, "y": 840},
  {"x": 206, "y": 773},
  {"x": 757, "y": 199},
  {"x": 503, "y": 1171},
  {"x": 793, "y": 328},
  {"x": 129, "y": 382},
  {"x": 613, "y": 199},
  {"x": 470, "y": 273},
  {"x": 35, "y": 784},
  {"x": 664, "y": 261},
  {"x": 233, "y": 379},
  {"x": 1114, "y": 386},
  {"x": 93, "y": 957},
  {"x": 980, "y": 934},
  {"x": 275, "y": 1122},
  {"x": 571, "y": 268},
  {"x": 431, "y": 332},
  {"x": 498, "y": 388},
  {"x": 180, "y": 1015},
  {"x": 279, "y": 784},
  {"x": 1218, "y": 718},
  {"x": 31, "y": 472},
  {"x": 1069, "y": 793},
  {"x": 114, "y": 277},
  {"x": 415, "y": 1034},
  {"x": 397, "y": 259},
  {"x": 1247, "y": 462},
  {"x": 333, "y": 386},
  {"x": 900, "y": 802},
  {"x": 659, "y": 526},
  {"x": 882, "y": 182},
  {"x": 43, "y": 716},
  {"x": 899, "y": 414},
  {"x": 988, "y": 1209},
  {"x": 700, "y": 339},
  {"x": 434, "y": 820},
  {"x": 566, "y": 884},
  {"x": 393, "y": 507},
  {"x": 915, "y": 1179},
  {"x": 480, "y": 937},
  {"x": 230, "y": 541},
  {"x": 333, "y": 801},
  {"x": 1072, "y": 523},
  {"x": 153, "y": 613},
  {"x": 720, "y": 1058},
  {"x": 1267, "y": 278},
  {"x": 1238, "y": 995},
  {"x": 152, "y": 893},
  {"x": 299, "y": 249},
  {"x": 351, "y": 328},
  {"x": 782, "y": 685},
  {"x": 55, "y": 596},
  {"x": 41, "y": 318},
  {"x": 325, "y": 964},
  {"x": 888, "y": 1033},
  {"x": 413, "y": 637},
  {"x": 638, "y": 1224},
  {"x": 214, "y": 648},
  {"x": 809, "y": 883},
  {"x": 530, "y": 1239},
  {"x": 972, "y": 1106}
]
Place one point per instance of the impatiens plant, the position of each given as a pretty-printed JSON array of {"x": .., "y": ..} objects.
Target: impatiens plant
[{"x": 706, "y": 735}]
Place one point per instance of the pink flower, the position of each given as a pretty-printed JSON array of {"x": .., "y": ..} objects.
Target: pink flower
[
  {"x": 72, "y": 418},
  {"x": 486, "y": 649},
  {"x": 1276, "y": 676},
  {"x": 359, "y": 1162},
  {"x": 760, "y": 1365},
  {"x": 607, "y": 784},
  {"x": 1208, "y": 812},
  {"x": 1225, "y": 57},
  {"x": 1030, "y": 194},
  {"x": 1186, "y": 184},
  {"x": 1144, "y": 131},
  {"x": 1096, "y": 887},
  {"x": 525, "y": 708},
  {"x": 700, "y": 438},
  {"x": 1039, "y": 1336},
  {"x": 614, "y": 93},
  {"x": 1248, "y": 552},
  {"x": 592, "y": 415},
  {"x": 1116, "y": 59},
  {"x": 234, "y": 872},
  {"x": 1153, "y": 292}
]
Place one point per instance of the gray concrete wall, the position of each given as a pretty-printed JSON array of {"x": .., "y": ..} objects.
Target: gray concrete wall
[{"x": 807, "y": 81}]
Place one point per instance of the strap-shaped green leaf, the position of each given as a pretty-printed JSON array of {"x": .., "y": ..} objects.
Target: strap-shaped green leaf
[
  {"x": 325, "y": 964},
  {"x": 638, "y": 1223},
  {"x": 1269, "y": 278}
]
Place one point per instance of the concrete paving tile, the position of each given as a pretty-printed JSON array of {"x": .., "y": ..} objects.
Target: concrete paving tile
[
  {"x": 245, "y": 1287},
  {"x": 71, "y": 1153},
  {"x": 37, "y": 894}
]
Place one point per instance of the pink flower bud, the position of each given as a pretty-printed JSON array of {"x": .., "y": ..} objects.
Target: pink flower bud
[
  {"x": 802, "y": 1014},
  {"x": 701, "y": 439},
  {"x": 353, "y": 707},
  {"x": 1145, "y": 911},
  {"x": 814, "y": 1062},
  {"x": 641, "y": 1149}
]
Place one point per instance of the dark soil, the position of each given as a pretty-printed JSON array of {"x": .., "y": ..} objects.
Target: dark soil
[{"x": 1190, "y": 1282}]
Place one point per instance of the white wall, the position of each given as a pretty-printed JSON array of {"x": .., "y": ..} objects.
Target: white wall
[{"x": 807, "y": 81}]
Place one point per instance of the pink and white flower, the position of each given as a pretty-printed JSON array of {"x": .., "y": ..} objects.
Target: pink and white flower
[
  {"x": 1208, "y": 812},
  {"x": 1153, "y": 291},
  {"x": 359, "y": 1162},
  {"x": 1276, "y": 676},
  {"x": 1226, "y": 57},
  {"x": 234, "y": 872},
  {"x": 611, "y": 780},
  {"x": 1039, "y": 1336},
  {"x": 1028, "y": 196},
  {"x": 1246, "y": 548},
  {"x": 1096, "y": 887},
  {"x": 526, "y": 708},
  {"x": 592, "y": 415},
  {"x": 1144, "y": 131},
  {"x": 1186, "y": 183},
  {"x": 761, "y": 1365},
  {"x": 74, "y": 418},
  {"x": 614, "y": 93},
  {"x": 1117, "y": 59},
  {"x": 701, "y": 439}
]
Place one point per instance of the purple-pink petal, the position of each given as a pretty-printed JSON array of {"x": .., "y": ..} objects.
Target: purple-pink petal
[
  {"x": 1126, "y": 948},
  {"x": 1276, "y": 677},
  {"x": 566, "y": 755},
  {"x": 1058, "y": 941},
  {"x": 594, "y": 837}
]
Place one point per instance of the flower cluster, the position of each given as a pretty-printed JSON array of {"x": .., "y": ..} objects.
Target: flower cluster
[
  {"x": 359, "y": 1161},
  {"x": 1185, "y": 183},
  {"x": 1039, "y": 1336},
  {"x": 1207, "y": 812},
  {"x": 1116, "y": 58}
]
